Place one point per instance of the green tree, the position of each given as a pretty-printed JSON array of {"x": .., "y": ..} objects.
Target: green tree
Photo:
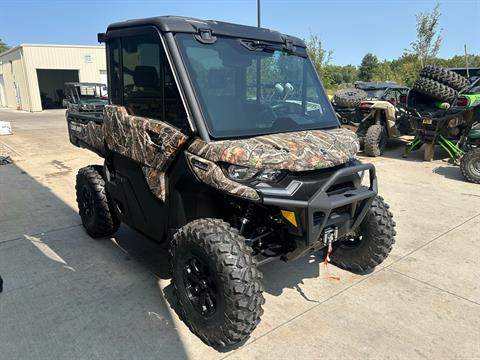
[
  {"x": 429, "y": 38},
  {"x": 368, "y": 66},
  {"x": 459, "y": 61},
  {"x": 349, "y": 74},
  {"x": 3, "y": 46},
  {"x": 320, "y": 58},
  {"x": 384, "y": 72}
]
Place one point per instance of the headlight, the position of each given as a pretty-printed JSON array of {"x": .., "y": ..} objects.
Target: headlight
[
  {"x": 270, "y": 175},
  {"x": 241, "y": 173}
]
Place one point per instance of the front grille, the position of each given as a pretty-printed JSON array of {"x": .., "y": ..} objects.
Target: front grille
[{"x": 319, "y": 216}]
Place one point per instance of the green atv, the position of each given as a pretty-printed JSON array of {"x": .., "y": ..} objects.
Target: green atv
[
  {"x": 470, "y": 161},
  {"x": 470, "y": 142},
  {"x": 452, "y": 123}
]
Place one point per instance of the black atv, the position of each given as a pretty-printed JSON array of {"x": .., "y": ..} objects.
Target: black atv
[{"x": 220, "y": 143}]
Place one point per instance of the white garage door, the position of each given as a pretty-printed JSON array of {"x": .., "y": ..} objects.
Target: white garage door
[{"x": 103, "y": 76}]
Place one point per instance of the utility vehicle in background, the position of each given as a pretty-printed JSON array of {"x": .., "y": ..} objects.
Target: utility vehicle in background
[
  {"x": 85, "y": 97},
  {"x": 375, "y": 111},
  {"x": 220, "y": 142},
  {"x": 444, "y": 109}
]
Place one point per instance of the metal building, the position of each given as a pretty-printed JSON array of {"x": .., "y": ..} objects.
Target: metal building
[{"x": 32, "y": 75}]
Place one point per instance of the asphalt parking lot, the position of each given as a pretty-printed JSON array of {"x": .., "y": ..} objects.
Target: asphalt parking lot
[{"x": 67, "y": 296}]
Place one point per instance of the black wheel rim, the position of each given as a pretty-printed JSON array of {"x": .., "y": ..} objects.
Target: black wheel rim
[
  {"x": 87, "y": 202},
  {"x": 200, "y": 286}
]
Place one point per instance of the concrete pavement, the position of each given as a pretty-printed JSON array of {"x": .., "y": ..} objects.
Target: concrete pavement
[{"x": 69, "y": 296}]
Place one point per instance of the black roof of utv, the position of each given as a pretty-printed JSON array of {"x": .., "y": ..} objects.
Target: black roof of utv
[
  {"x": 366, "y": 85},
  {"x": 176, "y": 24}
]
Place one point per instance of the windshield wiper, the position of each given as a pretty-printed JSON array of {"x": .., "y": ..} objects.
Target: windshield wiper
[{"x": 256, "y": 45}]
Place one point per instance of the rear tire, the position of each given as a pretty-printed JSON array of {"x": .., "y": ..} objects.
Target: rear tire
[
  {"x": 435, "y": 89},
  {"x": 226, "y": 307},
  {"x": 470, "y": 166},
  {"x": 374, "y": 243},
  {"x": 444, "y": 76},
  {"x": 375, "y": 141},
  {"x": 94, "y": 206}
]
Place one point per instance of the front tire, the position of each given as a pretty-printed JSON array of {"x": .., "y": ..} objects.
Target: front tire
[
  {"x": 373, "y": 243},
  {"x": 94, "y": 206},
  {"x": 470, "y": 166},
  {"x": 375, "y": 140},
  {"x": 216, "y": 281}
]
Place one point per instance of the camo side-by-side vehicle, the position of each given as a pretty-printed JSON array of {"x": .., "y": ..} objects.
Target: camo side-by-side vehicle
[{"x": 220, "y": 142}]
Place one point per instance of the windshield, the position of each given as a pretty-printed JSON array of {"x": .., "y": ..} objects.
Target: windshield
[
  {"x": 88, "y": 93},
  {"x": 248, "y": 89},
  {"x": 92, "y": 92},
  {"x": 375, "y": 93}
]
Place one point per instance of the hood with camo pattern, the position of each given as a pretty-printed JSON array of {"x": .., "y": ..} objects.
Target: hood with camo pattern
[{"x": 294, "y": 151}]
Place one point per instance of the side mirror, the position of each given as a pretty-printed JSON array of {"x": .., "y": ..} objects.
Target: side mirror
[{"x": 279, "y": 88}]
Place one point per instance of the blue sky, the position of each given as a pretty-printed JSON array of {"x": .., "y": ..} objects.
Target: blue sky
[{"x": 350, "y": 28}]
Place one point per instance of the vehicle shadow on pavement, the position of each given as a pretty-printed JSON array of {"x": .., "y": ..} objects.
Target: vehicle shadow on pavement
[
  {"x": 450, "y": 172},
  {"x": 278, "y": 275},
  {"x": 67, "y": 295},
  {"x": 396, "y": 150}
]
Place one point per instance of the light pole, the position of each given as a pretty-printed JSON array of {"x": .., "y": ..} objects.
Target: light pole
[{"x": 258, "y": 13}]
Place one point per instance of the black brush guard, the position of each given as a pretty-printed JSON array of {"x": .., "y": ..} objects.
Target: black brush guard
[{"x": 343, "y": 210}]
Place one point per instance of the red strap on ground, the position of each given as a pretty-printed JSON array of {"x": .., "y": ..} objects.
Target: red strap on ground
[{"x": 325, "y": 264}]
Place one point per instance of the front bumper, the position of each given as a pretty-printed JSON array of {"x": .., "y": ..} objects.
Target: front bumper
[{"x": 330, "y": 207}]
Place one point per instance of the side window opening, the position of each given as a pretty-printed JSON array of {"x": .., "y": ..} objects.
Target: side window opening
[
  {"x": 142, "y": 76},
  {"x": 115, "y": 84},
  {"x": 142, "y": 81}
]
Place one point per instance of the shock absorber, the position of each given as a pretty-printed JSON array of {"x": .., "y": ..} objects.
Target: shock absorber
[{"x": 246, "y": 219}]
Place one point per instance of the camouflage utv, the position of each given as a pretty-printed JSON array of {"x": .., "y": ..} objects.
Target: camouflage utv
[{"x": 220, "y": 143}]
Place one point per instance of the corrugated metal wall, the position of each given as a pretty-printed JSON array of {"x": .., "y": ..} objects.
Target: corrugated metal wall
[
  {"x": 88, "y": 60},
  {"x": 15, "y": 86}
]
